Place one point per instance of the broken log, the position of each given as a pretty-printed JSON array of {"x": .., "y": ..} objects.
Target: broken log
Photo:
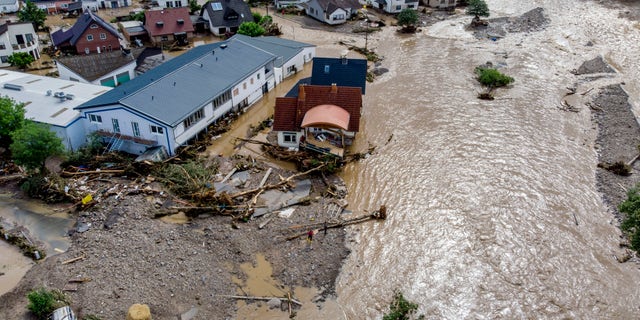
[
  {"x": 276, "y": 185},
  {"x": 381, "y": 214},
  {"x": 90, "y": 172},
  {"x": 630, "y": 163},
  {"x": 257, "y": 298}
]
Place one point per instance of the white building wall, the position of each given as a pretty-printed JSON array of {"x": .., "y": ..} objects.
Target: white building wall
[
  {"x": 10, "y": 42},
  {"x": 293, "y": 144},
  {"x": 129, "y": 68},
  {"x": 67, "y": 74},
  {"x": 172, "y": 3},
  {"x": 10, "y": 8}
]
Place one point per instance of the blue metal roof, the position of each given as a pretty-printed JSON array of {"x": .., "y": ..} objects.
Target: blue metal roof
[
  {"x": 343, "y": 72},
  {"x": 185, "y": 83}
]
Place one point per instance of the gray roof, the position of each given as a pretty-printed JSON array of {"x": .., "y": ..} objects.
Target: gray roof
[
  {"x": 93, "y": 66},
  {"x": 230, "y": 9},
  {"x": 75, "y": 32},
  {"x": 178, "y": 87},
  {"x": 287, "y": 49}
]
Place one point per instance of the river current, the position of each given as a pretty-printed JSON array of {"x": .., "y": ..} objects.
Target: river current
[{"x": 494, "y": 211}]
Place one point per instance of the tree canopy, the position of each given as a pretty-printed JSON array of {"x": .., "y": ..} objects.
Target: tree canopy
[
  {"x": 33, "y": 143},
  {"x": 11, "y": 119},
  {"x": 407, "y": 18},
  {"x": 20, "y": 59},
  {"x": 194, "y": 7},
  {"x": 31, "y": 13},
  {"x": 478, "y": 8},
  {"x": 251, "y": 29},
  {"x": 631, "y": 222}
]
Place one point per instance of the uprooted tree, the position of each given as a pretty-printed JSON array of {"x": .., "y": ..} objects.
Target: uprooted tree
[
  {"x": 408, "y": 20},
  {"x": 477, "y": 9}
]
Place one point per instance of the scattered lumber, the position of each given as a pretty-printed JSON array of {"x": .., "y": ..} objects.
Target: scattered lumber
[
  {"x": 68, "y": 173},
  {"x": 276, "y": 185},
  {"x": 258, "y": 298},
  {"x": 74, "y": 259}
]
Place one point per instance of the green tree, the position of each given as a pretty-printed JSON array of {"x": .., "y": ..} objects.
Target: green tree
[
  {"x": 41, "y": 302},
  {"x": 31, "y": 13},
  {"x": 33, "y": 143},
  {"x": 631, "y": 222},
  {"x": 492, "y": 78},
  {"x": 408, "y": 18},
  {"x": 265, "y": 21},
  {"x": 194, "y": 7},
  {"x": 137, "y": 16},
  {"x": 401, "y": 309},
  {"x": 20, "y": 59},
  {"x": 11, "y": 119},
  {"x": 251, "y": 29},
  {"x": 256, "y": 17},
  {"x": 478, "y": 8}
]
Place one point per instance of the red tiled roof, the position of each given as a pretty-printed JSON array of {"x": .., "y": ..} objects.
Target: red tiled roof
[
  {"x": 169, "y": 18},
  {"x": 289, "y": 112}
]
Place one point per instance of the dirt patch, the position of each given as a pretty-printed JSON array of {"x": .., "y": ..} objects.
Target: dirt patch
[
  {"x": 595, "y": 65},
  {"x": 530, "y": 21}
]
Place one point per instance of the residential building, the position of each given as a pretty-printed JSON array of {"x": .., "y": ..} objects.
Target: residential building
[
  {"x": 51, "y": 101},
  {"x": 395, "y": 6},
  {"x": 18, "y": 37},
  {"x": 173, "y": 3},
  {"x": 170, "y": 104},
  {"x": 441, "y": 4},
  {"x": 225, "y": 16},
  {"x": 280, "y": 4},
  {"x": 169, "y": 26},
  {"x": 332, "y": 11},
  {"x": 90, "y": 34},
  {"x": 9, "y": 6},
  {"x": 343, "y": 71},
  {"x": 134, "y": 32},
  {"x": 109, "y": 69},
  {"x": 322, "y": 119},
  {"x": 291, "y": 55}
]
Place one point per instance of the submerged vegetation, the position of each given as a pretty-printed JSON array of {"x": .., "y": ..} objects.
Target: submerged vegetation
[
  {"x": 401, "y": 309},
  {"x": 631, "y": 222},
  {"x": 491, "y": 78}
]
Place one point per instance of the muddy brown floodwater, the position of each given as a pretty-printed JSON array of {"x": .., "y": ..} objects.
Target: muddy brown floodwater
[{"x": 482, "y": 194}]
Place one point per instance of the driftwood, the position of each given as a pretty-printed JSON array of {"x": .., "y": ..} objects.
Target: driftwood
[
  {"x": 630, "y": 163},
  {"x": 90, "y": 172},
  {"x": 276, "y": 185},
  {"x": 12, "y": 177},
  {"x": 258, "y": 298},
  {"x": 381, "y": 214},
  {"x": 74, "y": 259}
]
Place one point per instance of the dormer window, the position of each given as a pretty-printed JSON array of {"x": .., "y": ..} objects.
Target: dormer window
[
  {"x": 159, "y": 24},
  {"x": 180, "y": 21},
  {"x": 94, "y": 26}
]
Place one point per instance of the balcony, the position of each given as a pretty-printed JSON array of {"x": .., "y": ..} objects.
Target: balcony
[
  {"x": 109, "y": 134},
  {"x": 28, "y": 45}
]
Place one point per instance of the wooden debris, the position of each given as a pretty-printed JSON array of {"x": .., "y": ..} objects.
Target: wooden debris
[
  {"x": 74, "y": 259},
  {"x": 630, "y": 163},
  {"x": 381, "y": 214},
  {"x": 258, "y": 298},
  {"x": 567, "y": 107},
  {"x": 67, "y": 173},
  {"x": 276, "y": 185},
  {"x": 584, "y": 93},
  {"x": 264, "y": 179}
]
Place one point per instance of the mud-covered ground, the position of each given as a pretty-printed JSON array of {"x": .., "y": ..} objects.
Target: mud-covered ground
[{"x": 172, "y": 266}]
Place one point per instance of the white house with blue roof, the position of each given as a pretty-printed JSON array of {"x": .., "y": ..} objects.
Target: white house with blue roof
[{"x": 170, "y": 104}]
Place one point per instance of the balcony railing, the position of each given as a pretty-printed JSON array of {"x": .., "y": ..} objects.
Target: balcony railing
[
  {"x": 23, "y": 45},
  {"x": 108, "y": 134}
]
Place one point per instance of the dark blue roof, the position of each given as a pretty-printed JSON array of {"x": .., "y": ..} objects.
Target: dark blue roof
[
  {"x": 74, "y": 33},
  {"x": 343, "y": 72},
  {"x": 293, "y": 93}
]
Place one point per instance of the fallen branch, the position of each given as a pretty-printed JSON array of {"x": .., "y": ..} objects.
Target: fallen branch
[
  {"x": 74, "y": 259},
  {"x": 90, "y": 172},
  {"x": 257, "y": 298},
  {"x": 633, "y": 160},
  {"x": 276, "y": 185},
  {"x": 584, "y": 93},
  {"x": 378, "y": 215}
]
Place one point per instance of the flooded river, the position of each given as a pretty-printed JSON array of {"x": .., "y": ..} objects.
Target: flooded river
[{"x": 482, "y": 195}]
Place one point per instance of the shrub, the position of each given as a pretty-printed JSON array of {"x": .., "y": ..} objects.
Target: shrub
[
  {"x": 401, "y": 309},
  {"x": 631, "y": 222},
  {"x": 492, "y": 78},
  {"x": 43, "y": 302}
]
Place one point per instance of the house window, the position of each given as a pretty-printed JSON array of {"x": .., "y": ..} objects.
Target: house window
[
  {"x": 29, "y": 37},
  {"x": 169, "y": 4},
  {"x": 258, "y": 76},
  {"x": 221, "y": 99},
  {"x": 244, "y": 86},
  {"x": 326, "y": 68},
  {"x": 291, "y": 69},
  {"x": 157, "y": 130},
  {"x": 86, "y": 50},
  {"x": 178, "y": 3},
  {"x": 116, "y": 125},
  {"x": 193, "y": 118},
  {"x": 2, "y": 46},
  {"x": 165, "y": 38},
  {"x": 398, "y": 8},
  {"x": 89, "y": 37},
  {"x": 94, "y": 26},
  {"x": 4, "y": 59},
  {"x": 103, "y": 36},
  {"x": 251, "y": 80},
  {"x": 95, "y": 118},
  {"x": 136, "y": 129},
  {"x": 411, "y": 6},
  {"x": 236, "y": 92},
  {"x": 289, "y": 137},
  {"x": 443, "y": 1}
]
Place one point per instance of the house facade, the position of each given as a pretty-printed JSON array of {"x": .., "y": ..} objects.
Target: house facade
[
  {"x": 332, "y": 11},
  {"x": 170, "y": 104},
  {"x": 225, "y": 16},
  {"x": 442, "y": 4},
  {"x": 18, "y": 37},
  {"x": 173, "y": 3},
  {"x": 395, "y": 6},
  {"x": 323, "y": 119},
  {"x": 9, "y": 6},
  {"x": 52, "y": 101},
  {"x": 169, "y": 26},
  {"x": 90, "y": 34}
]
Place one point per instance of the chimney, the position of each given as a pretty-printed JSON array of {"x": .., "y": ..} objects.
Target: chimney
[
  {"x": 301, "y": 94},
  {"x": 334, "y": 88}
]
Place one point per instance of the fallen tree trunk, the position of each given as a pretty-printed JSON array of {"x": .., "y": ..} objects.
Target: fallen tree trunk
[
  {"x": 258, "y": 298},
  {"x": 381, "y": 214},
  {"x": 276, "y": 185}
]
